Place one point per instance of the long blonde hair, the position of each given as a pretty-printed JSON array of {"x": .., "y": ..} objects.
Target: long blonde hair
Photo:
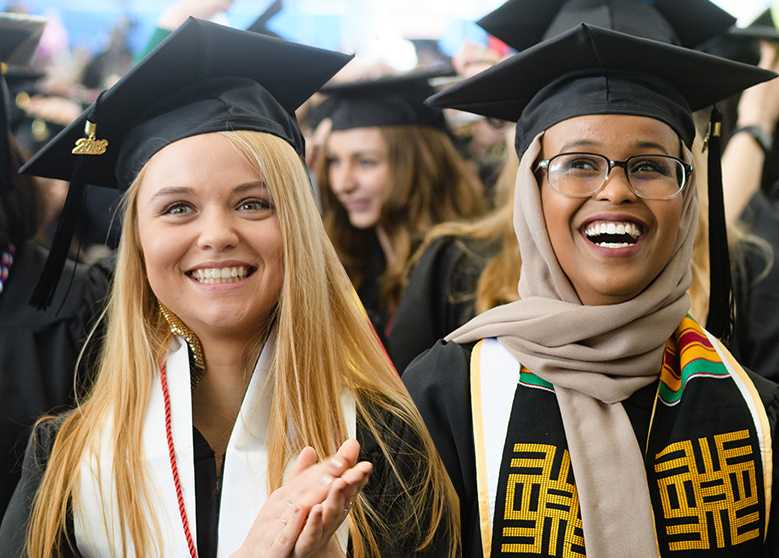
[
  {"x": 430, "y": 185},
  {"x": 315, "y": 361}
]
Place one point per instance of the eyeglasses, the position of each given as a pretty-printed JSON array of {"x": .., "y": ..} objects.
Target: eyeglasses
[{"x": 579, "y": 175}]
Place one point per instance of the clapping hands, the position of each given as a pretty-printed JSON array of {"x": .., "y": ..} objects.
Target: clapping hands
[{"x": 300, "y": 518}]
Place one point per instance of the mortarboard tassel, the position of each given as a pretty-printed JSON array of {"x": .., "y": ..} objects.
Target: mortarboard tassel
[
  {"x": 720, "y": 318},
  {"x": 74, "y": 203}
]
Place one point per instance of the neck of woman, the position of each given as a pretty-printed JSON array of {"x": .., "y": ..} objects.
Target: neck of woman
[
  {"x": 216, "y": 401},
  {"x": 386, "y": 245}
]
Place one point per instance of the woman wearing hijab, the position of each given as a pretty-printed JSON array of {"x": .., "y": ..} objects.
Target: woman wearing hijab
[
  {"x": 223, "y": 420},
  {"x": 594, "y": 416},
  {"x": 470, "y": 267}
]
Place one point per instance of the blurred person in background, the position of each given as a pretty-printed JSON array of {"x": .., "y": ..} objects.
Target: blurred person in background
[
  {"x": 38, "y": 350},
  {"x": 751, "y": 188},
  {"x": 388, "y": 172}
]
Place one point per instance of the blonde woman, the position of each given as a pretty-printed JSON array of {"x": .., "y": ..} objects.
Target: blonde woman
[{"x": 242, "y": 405}]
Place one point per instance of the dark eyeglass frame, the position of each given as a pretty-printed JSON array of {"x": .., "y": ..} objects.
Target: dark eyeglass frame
[{"x": 686, "y": 167}]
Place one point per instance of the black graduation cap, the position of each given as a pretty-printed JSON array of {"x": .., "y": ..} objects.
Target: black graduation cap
[
  {"x": 742, "y": 43},
  {"x": 523, "y": 23},
  {"x": 19, "y": 77},
  {"x": 19, "y": 36},
  {"x": 260, "y": 25},
  {"x": 593, "y": 69},
  {"x": 762, "y": 28},
  {"x": 202, "y": 78},
  {"x": 590, "y": 70},
  {"x": 387, "y": 101}
]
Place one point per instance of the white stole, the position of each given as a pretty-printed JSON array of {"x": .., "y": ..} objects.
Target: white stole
[
  {"x": 492, "y": 398},
  {"x": 244, "y": 481}
]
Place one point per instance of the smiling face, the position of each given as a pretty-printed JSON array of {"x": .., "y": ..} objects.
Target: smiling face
[
  {"x": 602, "y": 268},
  {"x": 210, "y": 238},
  {"x": 359, "y": 173}
]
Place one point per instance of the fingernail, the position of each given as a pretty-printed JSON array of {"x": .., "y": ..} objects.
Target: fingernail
[
  {"x": 335, "y": 464},
  {"x": 327, "y": 479}
]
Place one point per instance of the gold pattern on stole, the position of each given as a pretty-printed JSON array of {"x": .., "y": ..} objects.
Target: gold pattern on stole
[
  {"x": 715, "y": 498},
  {"x": 541, "y": 514}
]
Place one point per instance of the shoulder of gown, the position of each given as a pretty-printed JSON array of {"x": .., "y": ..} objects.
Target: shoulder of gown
[
  {"x": 755, "y": 341},
  {"x": 395, "y": 504},
  {"x": 768, "y": 391},
  {"x": 39, "y": 349},
  {"x": 13, "y": 530},
  {"x": 439, "y": 296},
  {"x": 439, "y": 383}
]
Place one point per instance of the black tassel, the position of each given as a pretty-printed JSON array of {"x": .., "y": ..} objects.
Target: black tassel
[
  {"x": 60, "y": 246},
  {"x": 71, "y": 215},
  {"x": 720, "y": 317}
]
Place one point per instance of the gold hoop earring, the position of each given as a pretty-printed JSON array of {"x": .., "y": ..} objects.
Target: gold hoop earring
[{"x": 197, "y": 363}]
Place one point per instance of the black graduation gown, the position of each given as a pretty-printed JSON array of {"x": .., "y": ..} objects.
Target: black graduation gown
[
  {"x": 368, "y": 291},
  {"x": 38, "y": 350},
  {"x": 439, "y": 384},
  {"x": 440, "y": 296},
  {"x": 381, "y": 491},
  {"x": 756, "y": 333}
]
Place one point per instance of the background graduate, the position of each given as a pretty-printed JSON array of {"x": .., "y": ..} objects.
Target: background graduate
[
  {"x": 389, "y": 173},
  {"x": 38, "y": 350}
]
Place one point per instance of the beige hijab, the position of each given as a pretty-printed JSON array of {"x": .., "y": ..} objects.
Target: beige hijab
[{"x": 596, "y": 357}]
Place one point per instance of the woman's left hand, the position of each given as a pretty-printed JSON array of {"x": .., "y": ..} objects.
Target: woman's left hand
[{"x": 317, "y": 536}]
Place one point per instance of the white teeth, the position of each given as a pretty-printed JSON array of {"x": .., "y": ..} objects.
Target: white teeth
[
  {"x": 611, "y": 227},
  {"x": 218, "y": 275}
]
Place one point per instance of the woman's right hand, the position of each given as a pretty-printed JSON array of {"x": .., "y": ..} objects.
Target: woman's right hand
[
  {"x": 300, "y": 518},
  {"x": 759, "y": 105}
]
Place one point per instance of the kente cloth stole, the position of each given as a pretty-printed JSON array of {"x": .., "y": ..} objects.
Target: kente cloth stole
[{"x": 708, "y": 456}]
